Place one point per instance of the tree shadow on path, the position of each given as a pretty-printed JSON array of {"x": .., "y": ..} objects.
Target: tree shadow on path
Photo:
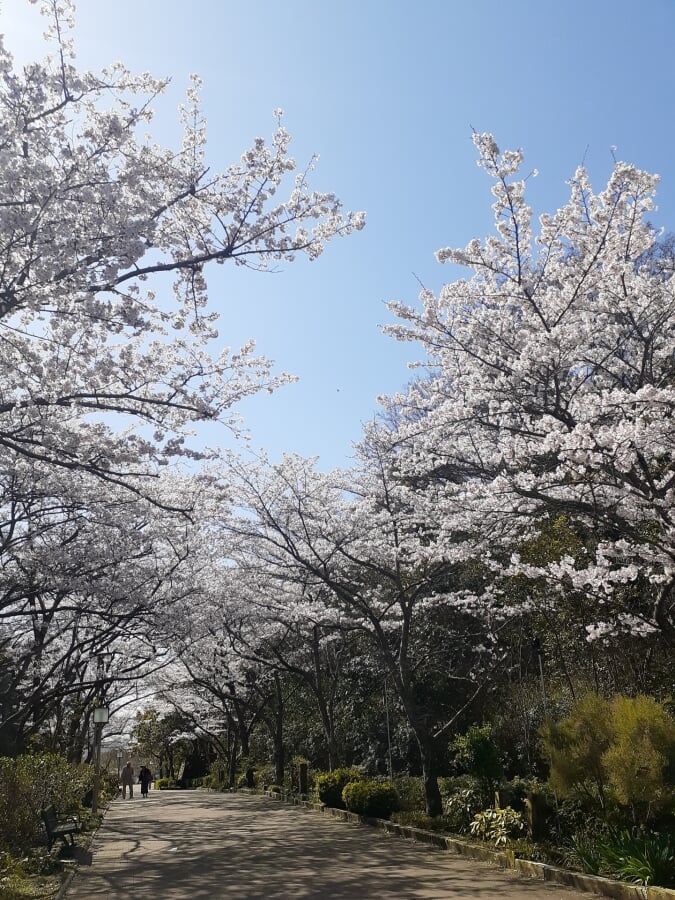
[{"x": 200, "y": 845}]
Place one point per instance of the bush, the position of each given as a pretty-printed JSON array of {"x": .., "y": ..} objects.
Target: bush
[
  {"x": 199, "y": 781},
  {"x": 453, "y": 784},
  {"x": 30, "y": 783},
  {"x": 640, "y": 858},
  {"x": 498, "y": 825},
  {"x": 37, "y": 875},
  {"x": 535, "y": 800},
  {"x": 410, "y": 792},
  {"x": 461, "y": 809},
  {"x": 640, "y": 761},
  {"x": 329, "y": 786},
  {"x": 218, "y": 774},
  {"x": 621, "y": 750},
  {"x": 370, "y": 798},
  {"x": 584, "y": 853},
  {"x": 165, "y": 784},
  {"x": 265, "y": 776},
  {"x": 576, "y": 745},
  {"x": 477, "y": 754},
  {"x": 110, "y": 787},
  {"x": 646, "y": 859}
]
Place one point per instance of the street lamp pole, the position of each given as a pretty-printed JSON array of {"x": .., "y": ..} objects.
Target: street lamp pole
[
  {"x": 386, "y": 710},
  {"x": 103, "y": 661},
  {"x": 100, "y": 718}
]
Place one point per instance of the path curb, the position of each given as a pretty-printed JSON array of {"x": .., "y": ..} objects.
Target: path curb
[
  {"x": 593, "y": 884},
  {"x": 66, "y": 883},
  {"x": 63, "y": 890}
]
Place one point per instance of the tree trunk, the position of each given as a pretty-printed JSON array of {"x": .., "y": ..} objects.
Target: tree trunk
[
  {"x": 432, "y": 793},
  {"x": 232, "y": 761},
  {"x": 427, "y": 749}
]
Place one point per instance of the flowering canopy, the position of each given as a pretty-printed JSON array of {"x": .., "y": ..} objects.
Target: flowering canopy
[
  {"x": 91, "y": 210},
  {"x": 550, "y": 389}
]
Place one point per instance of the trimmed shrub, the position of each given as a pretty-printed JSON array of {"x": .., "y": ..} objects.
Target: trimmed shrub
[
  {"x": 370, "y": 798},
  {"x": 165, "y": 784},
  {"x": 329, "y": 786}
]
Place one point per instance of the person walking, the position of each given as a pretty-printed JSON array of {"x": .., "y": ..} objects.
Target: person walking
[
  {"x": 128, "y": 781},
  {"x": 144, "y": 778}
]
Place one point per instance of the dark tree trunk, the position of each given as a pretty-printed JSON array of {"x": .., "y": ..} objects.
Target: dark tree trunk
[
  {"x": 428, "y": 756},
  {"x": 232, "y": 761},
  {"x": 432, "y": 793},
  {"x": 278, "y": 734}
]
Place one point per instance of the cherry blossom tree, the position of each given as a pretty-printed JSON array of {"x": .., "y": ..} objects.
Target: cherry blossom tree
[
  {"x": 97, "y": 372},
  {"x": 85, "y": 576},
  {"x": 109, "y": 352},
  {"x": 549, "y": 394},
  {"x": 354, "y": 542},
  {"x": 294, "y": 632}
]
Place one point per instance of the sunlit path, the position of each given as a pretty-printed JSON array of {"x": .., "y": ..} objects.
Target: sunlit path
[{"x": 199, "y": 845}]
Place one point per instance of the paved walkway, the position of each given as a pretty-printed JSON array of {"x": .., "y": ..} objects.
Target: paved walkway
[{"x": 197, "y": 845}]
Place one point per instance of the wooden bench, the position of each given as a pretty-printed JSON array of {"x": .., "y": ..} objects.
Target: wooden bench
[{"x": 59, "y": 828}]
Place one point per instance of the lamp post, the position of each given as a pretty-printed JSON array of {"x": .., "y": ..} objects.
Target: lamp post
[
  {"x": 386, "y": 710},
  {"x": 100, "y": 719},
  {"x": 103, "y": 662}
]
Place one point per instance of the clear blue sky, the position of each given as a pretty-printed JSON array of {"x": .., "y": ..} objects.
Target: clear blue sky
[{"x": 387, "y": 93}]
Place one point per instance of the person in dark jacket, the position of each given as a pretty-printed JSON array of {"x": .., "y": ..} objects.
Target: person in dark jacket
[
  {"x": 128, "y": 781},
  {"x": 144, "y": 778}
]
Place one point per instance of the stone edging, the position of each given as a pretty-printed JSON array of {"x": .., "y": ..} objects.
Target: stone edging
[
  {"x": 65, "y": 884},
  {"x": 593, "y": 884}
]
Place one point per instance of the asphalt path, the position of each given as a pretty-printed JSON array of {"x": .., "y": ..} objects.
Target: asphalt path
[{"x": 197, "y": 844}]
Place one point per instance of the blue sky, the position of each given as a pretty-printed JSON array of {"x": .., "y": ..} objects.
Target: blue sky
[{"x": 387, "y": 93}]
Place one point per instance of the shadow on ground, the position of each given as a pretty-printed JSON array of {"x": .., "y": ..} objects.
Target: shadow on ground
[
  {"x": 82, "y": 855},
  {"x": 200, "y": 845}
]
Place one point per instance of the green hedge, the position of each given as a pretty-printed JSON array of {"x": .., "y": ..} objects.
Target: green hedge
[
  {"x": 329, "y": 786},
  {"x": 370, "y": 798},
  {"x": 27, "y": 785},
  {"x": 165, "y": 784}
]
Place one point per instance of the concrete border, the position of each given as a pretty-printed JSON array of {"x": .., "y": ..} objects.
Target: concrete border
[
  {"x": 74, "y": 868},
  {"x": 593, "y": 884},
  {"x": 65, "y": 884}
]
